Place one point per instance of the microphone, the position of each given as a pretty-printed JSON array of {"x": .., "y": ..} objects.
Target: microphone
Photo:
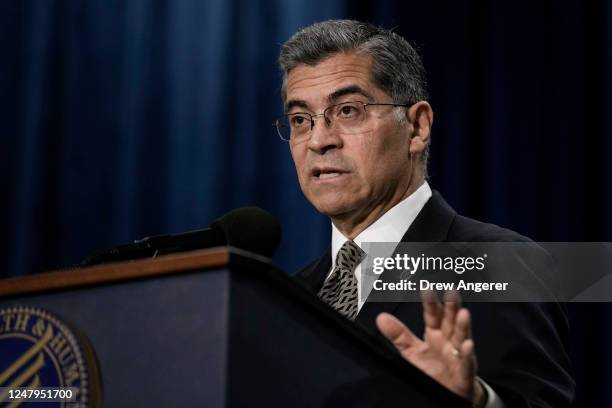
[{"x": 248, "y": 228}]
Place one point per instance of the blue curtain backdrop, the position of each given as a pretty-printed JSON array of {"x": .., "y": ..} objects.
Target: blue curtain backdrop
[{"x": 121, "y": 119}]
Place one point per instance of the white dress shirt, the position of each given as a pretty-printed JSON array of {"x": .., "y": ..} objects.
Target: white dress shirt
[{"x": 391, "y": 227}]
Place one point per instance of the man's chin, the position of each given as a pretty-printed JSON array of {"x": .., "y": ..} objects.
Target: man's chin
[
  {"x": 332, "y": 208},
  {"x": 333, "y": 203}
]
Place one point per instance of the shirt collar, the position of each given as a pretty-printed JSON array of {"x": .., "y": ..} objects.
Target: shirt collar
[{"x": 391, "y": 226}]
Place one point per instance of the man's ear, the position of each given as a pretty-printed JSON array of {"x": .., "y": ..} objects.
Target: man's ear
[{"x": 420, "y": 116}]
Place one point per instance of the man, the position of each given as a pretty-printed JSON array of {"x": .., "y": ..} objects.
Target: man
[{"x": 358, "y": 127}]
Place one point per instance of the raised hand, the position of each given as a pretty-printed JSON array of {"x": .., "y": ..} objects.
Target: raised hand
[{"x": 446, "y": 352}]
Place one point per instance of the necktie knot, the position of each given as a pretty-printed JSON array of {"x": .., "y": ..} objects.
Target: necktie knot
[
  {"x": 349, "y": 256},
  {"x": 340, "y": 289}
]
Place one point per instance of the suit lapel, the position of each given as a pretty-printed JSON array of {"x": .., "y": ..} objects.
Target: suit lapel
[
  {"x": 433, "y": 222},
  {"x": 314, "y": 274},
  {"x": 431, "y": 225}
]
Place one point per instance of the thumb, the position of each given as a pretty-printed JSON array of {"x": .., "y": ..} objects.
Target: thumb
[{"x": 396, "y": 332}]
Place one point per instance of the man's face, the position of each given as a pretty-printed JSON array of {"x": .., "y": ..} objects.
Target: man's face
[{"x": 348, "y": 175}]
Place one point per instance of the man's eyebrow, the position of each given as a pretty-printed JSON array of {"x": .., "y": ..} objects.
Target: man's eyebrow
[
  {"x": 295, "y": 103},
  {"x": 348, "y": 90},
  {"x": 333, "y": 97}
]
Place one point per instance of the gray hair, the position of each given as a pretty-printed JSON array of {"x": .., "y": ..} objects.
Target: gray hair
[{"x": 396, "y": 66}]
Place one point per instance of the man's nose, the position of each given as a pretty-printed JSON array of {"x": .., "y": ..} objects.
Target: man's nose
[{"x": 323, "y": 135}]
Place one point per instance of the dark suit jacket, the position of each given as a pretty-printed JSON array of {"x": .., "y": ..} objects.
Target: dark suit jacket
[{"x": 521, "y": 347}]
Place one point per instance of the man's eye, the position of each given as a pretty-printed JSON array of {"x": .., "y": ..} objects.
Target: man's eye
[
  {"x": 298, "y": 121},
  {"x": 347, "y": 110}
]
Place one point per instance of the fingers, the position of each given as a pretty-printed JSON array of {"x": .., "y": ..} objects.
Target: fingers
[
  {"x": 467, "y": 348},
  {"x": 450, "y": 360},
  {"x": 466, "y": 353},
  {"x": 432, "y": 309},
  {"x": 396, "y": 332},
  {"x": 438, "y": 316},
  {"x": 463, "y": 328},
  {"x": 452, "y": 304}
]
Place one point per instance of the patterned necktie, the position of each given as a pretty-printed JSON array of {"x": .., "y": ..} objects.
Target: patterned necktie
[{"x": 340, "y": 289}]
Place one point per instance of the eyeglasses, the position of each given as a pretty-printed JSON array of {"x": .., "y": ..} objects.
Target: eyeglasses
[{"x": 346, "y": 117}]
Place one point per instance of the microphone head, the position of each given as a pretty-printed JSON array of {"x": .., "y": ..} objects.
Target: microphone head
[{"x": 250, "y": 228}]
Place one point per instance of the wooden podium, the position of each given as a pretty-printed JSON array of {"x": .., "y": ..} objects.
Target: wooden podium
[{"x": 221, "y": 328}]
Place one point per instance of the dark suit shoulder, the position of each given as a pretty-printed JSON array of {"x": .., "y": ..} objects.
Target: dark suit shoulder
[{"x": 464, "y": 229}]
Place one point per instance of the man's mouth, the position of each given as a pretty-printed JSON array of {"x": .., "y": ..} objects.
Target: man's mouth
[{"x": 326, "y": 173}]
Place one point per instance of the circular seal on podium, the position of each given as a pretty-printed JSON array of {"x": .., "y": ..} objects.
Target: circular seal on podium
[{"x": 38, "y": 350}]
